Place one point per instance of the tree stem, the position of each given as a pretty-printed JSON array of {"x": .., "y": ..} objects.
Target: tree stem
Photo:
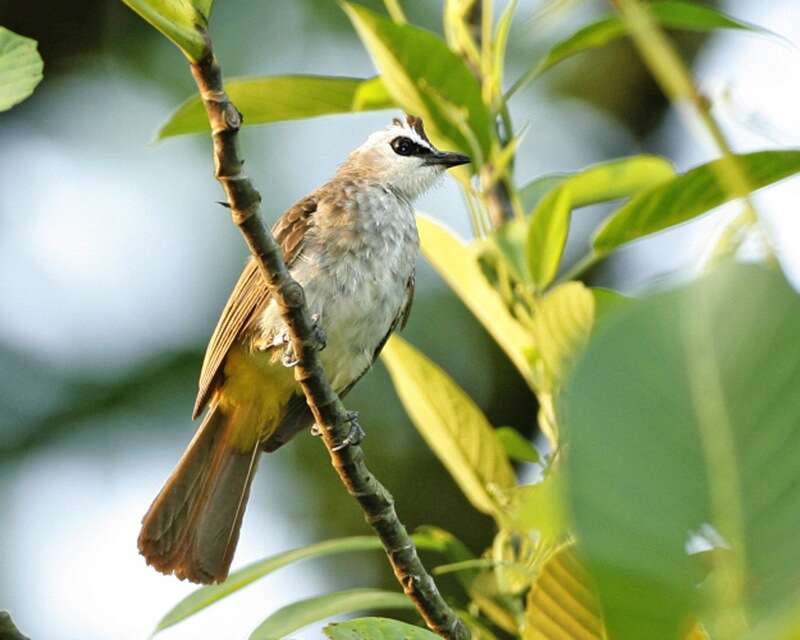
[{"x": 332, "y": 419}]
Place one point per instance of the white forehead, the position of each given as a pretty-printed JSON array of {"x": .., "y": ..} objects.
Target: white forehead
[{"x": 393, "y": 131}]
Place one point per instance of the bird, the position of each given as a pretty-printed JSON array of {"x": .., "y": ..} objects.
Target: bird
[{"x": 352, "y": 244}]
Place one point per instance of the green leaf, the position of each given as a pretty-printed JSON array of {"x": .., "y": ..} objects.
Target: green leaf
[
  {"x": 206, "y": 596},
  {"x": 690, "y": 195},
  {"x": 517, "y": 447},
  {"x": 509, "y": 240},
  {"x": 536, "y": 189},
  {"x": 182, "y": 21},
  {"x": 683, "y": 411},
  {"x": 561, "y": 605},
  {"x": 376, "y": 629},
  {"x": 561, "y": 326},
  {"x": 562, "y": 322},
  {"x": 427, "y": 79},
  {"x": 8, "y": 630},
  {"x": 499, "y": 50},
  {"x": 297, "y": 615},
  {"x": 549, "y": 224},
  {"x": 607, "y": 301},
  {"x": 268, "y": 99},
  {"x": 20, "y": 68},
  {"x": 672, "y": 14},
  {"x": 458, "y": 265},
  {"x": 452, "y": 425},
  {"x": 540, "y": 507}
]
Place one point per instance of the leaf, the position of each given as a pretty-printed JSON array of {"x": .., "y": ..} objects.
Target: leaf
[
  {"x": 297, "y": 615},
  {"x": 540, "y": 507},
  {"x": 20, "y": 68},
  {"x": 8, "y": 630},
  {"x": 549, "y": 223},
  {"x": 496, "y": 73},
  {"x": 668, "y": 13},
  {"x": 516, "y": 446},
  {"x": 536, "y": 189},
  {"x": 269, "y": 99},
  {"x": 376, "y": 629},
  {"x": 206, "y": 596},
  {"x": 561, "y": 325},
  {"x": 457, "y": 264},
  {"x": 182, "y": 21},
  {"x": 607, "y": 301},
  {"x": 421, "y": 73},
  {"x": 561, "y": 605},
  {"x": 690, "y": 195},
  {"x": 509, "y": 239},
  {"x": 452, "y": 425},
  {"x": 684, "y": 412}
]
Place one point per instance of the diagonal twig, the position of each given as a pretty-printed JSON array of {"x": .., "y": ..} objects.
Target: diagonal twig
[{"x": 332, "y": 420}]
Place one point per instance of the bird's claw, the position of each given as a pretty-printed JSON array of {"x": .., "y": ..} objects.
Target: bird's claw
[
  {"x": 356, "y": 434},
  {"x": 288, "y": 359},
  {"x": 318, "y": 333},
  {"x": 318, "y": 339}
]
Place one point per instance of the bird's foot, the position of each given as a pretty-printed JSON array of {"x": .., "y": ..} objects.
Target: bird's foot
[
  {"x": 318, "y": 340},
  {"x": 318, "y": 336},
  {"x": 289, "y": 359},
  {"x": 355, "y": 435}
]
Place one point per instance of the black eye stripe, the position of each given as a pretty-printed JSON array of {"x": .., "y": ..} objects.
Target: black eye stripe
[{"x": 403, "y": 146}]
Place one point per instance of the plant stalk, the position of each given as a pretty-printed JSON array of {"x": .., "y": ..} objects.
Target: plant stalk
[
  {"x": 332, "y": 420},
  {"x": 678, "y": 85}
]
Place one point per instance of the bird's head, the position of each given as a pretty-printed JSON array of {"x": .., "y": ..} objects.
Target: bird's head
[{"x": 401, "y": 157}]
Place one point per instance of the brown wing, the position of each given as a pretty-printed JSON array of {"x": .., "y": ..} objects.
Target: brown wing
[{"x": 249, "y": 297}]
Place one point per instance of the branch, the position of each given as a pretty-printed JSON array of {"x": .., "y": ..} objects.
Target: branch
[{"x": 332, "y": 420}]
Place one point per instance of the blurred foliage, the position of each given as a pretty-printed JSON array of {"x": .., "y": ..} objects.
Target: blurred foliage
[{"x": 663, "y": 417}]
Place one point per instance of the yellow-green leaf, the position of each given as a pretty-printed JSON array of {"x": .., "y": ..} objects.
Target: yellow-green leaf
[
  {"x": 540, "y": 507},
  {"x": 690, "y": 195},
  {"x": 376, "y": 629},
  {"x": 182, "y": 21},
  {"x": 267, "y": 99},
  {"x": 457, "y": 264},
  {"x": 562, "y": 323},
  {"x": 549, "y": 224},
  {"x": 562, "y": 605},
  {"x": 297, "y": 615},
  {"x": 422, "y": 75},
  {"x": 673, "y": 14},
  {"x": 20, "y": 68},
  {"x": 517, "y": 447},
  {"x": 430, "y": 539},
  {"x": 452, "y": 425}
]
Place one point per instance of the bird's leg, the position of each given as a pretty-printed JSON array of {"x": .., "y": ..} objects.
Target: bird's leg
[
  {"x": 318, "y": 341},
  {"x": 356, "y": 434},
  {"x": 318, "y": 333}
]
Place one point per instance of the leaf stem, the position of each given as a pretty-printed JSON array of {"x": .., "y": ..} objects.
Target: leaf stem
[
  {"x": 333, "y": 421},
  {"x": 395, "y": 11},
  {"x": 676, "y": 82}
]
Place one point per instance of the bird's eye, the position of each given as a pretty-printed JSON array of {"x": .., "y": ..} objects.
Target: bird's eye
[{"x": 404, "y": 146}]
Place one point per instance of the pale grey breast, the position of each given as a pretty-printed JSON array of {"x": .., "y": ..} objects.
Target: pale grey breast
[{"x": 355, "y": 266}]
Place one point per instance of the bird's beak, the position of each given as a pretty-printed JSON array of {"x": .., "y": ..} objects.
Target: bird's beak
[{"x": 448, "y": 159}]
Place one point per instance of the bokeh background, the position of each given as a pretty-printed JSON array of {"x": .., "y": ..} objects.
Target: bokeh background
[{"x": 115, "y": 263}]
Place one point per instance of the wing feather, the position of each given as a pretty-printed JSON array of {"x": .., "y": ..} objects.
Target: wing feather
[{"x": 249, "y": 297}]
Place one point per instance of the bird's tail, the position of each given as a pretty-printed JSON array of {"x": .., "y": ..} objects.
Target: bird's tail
[{"x": 192, "y": 527}]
